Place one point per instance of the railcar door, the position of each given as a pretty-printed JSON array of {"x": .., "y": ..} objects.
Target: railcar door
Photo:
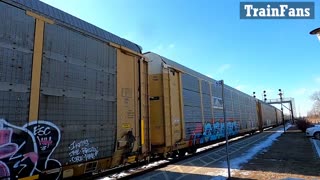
[
  {"x": 132, "y": 107},
  {"x": 172, "y": 105}
]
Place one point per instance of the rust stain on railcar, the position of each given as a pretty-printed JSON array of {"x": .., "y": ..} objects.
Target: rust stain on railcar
[{"x": 260, "y": 123}]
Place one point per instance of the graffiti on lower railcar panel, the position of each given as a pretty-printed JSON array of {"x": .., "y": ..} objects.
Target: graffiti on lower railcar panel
[
  {"x": 27, "y": 150},
  {"x": 82, "y": 151},
  {"x": 47, "y": 137},
  {"x": 213, "y": 131},
  {"x": 233, "y": 128},
  {"x": 196, "y": 134}
]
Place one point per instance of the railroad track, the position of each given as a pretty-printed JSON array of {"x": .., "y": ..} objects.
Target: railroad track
[{"x": 236, "y": 144}]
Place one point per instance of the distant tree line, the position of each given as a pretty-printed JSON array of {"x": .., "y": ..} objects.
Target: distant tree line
[{"x": 315, "y": 111}]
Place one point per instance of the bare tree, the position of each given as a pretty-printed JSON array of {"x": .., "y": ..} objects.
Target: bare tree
[
  {"x": 316, "y": 96},
  {"x": 316, "y": 103}
]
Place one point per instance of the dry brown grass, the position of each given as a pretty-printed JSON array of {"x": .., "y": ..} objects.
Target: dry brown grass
[{"x": 314, "y": 120}]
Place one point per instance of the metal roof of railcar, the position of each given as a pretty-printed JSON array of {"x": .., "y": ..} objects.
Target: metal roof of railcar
[
  {"x": 183, "y": 68},
  {"x": 61, "y": 17},
  {"x": 193, "y": 72}
]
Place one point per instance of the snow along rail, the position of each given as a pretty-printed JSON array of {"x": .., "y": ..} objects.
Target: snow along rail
[{"x": 236, "y": 145}]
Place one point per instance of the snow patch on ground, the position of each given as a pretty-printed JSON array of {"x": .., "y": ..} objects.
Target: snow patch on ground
[
  {"x": 157, "y": 163},
  {"x": 316, "y": 144},
  {"x": 106, "y": 178},
  {"x": 235, "y": 163},
  {"x": 245, "y": 157},
  {"x": 122, "y": 175}
]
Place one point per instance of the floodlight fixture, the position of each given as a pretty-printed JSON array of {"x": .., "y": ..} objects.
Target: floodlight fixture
[{"x": 316, "y": 32}]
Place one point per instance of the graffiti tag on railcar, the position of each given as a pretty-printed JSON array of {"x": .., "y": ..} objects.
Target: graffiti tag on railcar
[
  {"x": 43, "y": 136},
  {"x": 212, "y": 131},
  {"x": 27, "y": 150},
  {"x": 82, "y": 151}
]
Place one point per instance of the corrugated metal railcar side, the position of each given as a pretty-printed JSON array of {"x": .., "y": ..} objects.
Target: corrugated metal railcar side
[
  {"x": 201, "y": 97},
  {"x": 268, "y": 114},
  {"x": 279, "y": 116},
  {"x": 70, "y": 103}
]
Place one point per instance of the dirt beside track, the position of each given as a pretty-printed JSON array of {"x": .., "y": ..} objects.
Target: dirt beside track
[{"x": 292, "y": 155}]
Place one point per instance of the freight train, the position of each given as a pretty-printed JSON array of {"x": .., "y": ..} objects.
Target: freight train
[{"x": 75, "y": 99}]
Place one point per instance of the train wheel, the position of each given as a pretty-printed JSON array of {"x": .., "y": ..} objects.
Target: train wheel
[
  {"x": 182, "y": 153},
  {"x": 192, "y": 150},
  {"x": 163, "y": 155},
  {"x": 147, "y": 159},
  {"x": 174, "y": 154}
]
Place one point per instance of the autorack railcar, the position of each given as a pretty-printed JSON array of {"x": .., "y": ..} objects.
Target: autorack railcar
[
  {"x": 267, "y": 114},
  {"x": 73, "y": 97},
  {"x": 279, "y": 116},
  {"x": 186, "y": 109}
]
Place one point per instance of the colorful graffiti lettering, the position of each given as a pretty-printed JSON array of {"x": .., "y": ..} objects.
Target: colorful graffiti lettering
[
  {"x": 27, "y": 150},
  {"x": 196, "y": 135},
  {"x": 212, "y": 131},
  {"x": 81, "y": 151}
]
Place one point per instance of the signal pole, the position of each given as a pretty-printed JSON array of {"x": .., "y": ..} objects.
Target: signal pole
[
  {"x": 280, "y": 94},
  {"x": 225, "y": 129}
]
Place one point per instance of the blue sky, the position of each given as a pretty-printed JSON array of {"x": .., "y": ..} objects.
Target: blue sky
[{"x": 210, "y": 37}]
